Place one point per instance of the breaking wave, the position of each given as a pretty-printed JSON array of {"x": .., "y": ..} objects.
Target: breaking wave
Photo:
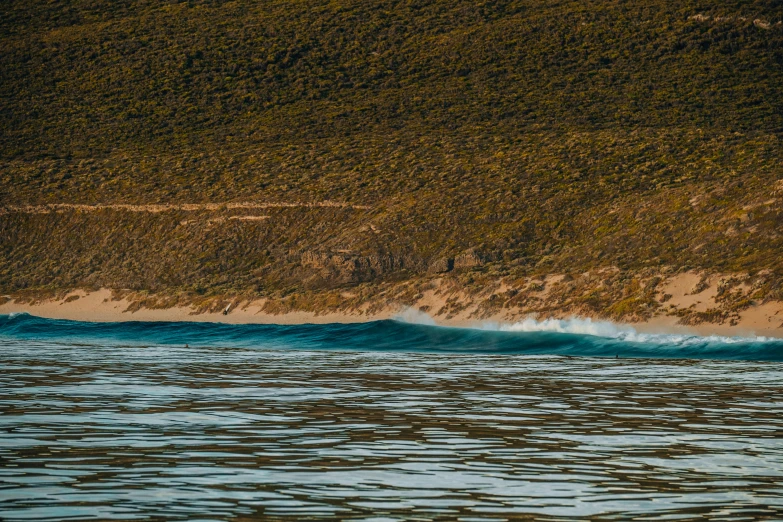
[
  {"x": 407, "y": 333},
  {"x": 611, "y": 330}
]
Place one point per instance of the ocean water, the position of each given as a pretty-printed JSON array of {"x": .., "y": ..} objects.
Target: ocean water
[{"x": 556, "y": 420}]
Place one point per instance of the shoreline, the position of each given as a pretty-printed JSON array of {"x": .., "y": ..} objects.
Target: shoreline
[{"x": 99, "y": 306}]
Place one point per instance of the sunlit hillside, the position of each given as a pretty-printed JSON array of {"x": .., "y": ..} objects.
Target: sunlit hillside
[{"x": 373, "y": 143}]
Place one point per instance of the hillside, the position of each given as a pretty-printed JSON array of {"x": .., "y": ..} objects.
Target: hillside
[{"x": 308, "y": 151}]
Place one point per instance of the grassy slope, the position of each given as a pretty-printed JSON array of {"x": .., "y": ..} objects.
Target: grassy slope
[{"x": 546, "y": 136}]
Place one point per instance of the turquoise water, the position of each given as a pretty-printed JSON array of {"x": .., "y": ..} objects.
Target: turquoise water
[
  {"x": 384, "y": 421},
  {"x": 396, "y": 336}
]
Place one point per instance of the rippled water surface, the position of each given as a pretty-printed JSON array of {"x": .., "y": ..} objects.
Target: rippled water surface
[{"x": 134, "y": 431}]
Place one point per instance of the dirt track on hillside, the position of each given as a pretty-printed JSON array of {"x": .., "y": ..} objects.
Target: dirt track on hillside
[{"x": 164, "y": 207}]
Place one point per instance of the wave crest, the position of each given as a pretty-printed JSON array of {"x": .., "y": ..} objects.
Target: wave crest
[
  {"x": 572, "y": 325},
  {"x": 587, "y": 326},
  {"x": 571, "y": 337}
]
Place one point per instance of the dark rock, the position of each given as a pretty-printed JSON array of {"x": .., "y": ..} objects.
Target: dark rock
[{"x": 441, "y": 265}]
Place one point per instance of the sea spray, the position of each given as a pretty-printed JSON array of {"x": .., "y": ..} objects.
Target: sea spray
[
  {"x": 587, "y": 326},
  {"x": 572, "y": 325},
  {"x": 414, "y": 316}
]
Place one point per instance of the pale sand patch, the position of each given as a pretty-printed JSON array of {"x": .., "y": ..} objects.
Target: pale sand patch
[
  {"x": 99, "y": 307},
  {"x": 764, "y": 317},
  {"x": 430, "y": 303},
  {"x": 753, "y": 323},
  {"x": 223, "y": 220},
  {"x": 249, "y": 218},
  {"x": 682, "y": 287}
]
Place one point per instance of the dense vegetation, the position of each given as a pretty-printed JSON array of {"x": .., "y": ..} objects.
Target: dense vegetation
[{"x": 517, "y": 136}]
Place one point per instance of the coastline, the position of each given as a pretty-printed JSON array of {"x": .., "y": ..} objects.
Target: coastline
[{"x": 100, "y": 306}]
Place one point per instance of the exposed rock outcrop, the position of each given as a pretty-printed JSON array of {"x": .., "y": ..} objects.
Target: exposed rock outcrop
[
  {"x": 343, "y": 267},
  {"x": 441, "y": 265},
  {"x": 467, "y": 259}
]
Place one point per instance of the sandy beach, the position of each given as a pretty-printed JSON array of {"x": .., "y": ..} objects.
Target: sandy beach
[{"x": 100, "y": 306}]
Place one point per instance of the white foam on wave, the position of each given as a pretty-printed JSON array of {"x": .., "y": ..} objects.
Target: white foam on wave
[
  {"x": 572, "y": 325},
  {"x": 587, "y": 326}
]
